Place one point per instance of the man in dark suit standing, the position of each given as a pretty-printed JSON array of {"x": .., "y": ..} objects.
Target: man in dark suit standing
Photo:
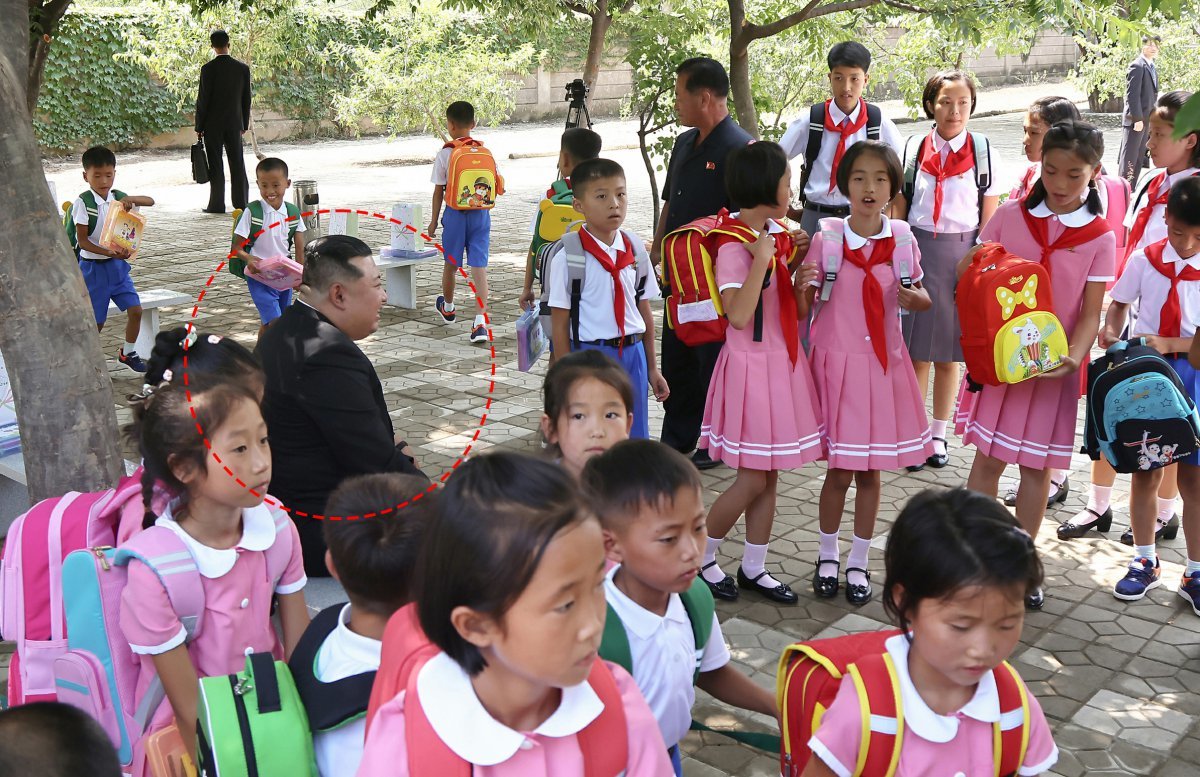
[
  {"x": 324, "y": 404},
  {"x": 222, "y": 116},
  {"x": 1141, "y": 93}
]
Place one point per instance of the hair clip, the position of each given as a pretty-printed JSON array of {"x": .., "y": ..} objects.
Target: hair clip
[
  {"x": 189, "y": 339},
  {"x": 167, "y": 375},
  {"x": 214, "y": 339}
]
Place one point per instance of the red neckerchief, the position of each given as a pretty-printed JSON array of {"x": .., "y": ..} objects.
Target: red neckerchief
[
  {"x": 625, "y": 259},
  {"x": 1156, "y": 194},
  {"x": 845, "y": 130},
  {"x": 1027, "y": 181},
  {"x": 1170, "y": 317},
  {"x": 1071, "y": 236},
  {"x": 789, "y": 316},
  {"x": 957, "y": 163},
  {"x": 872, "y": 290}
]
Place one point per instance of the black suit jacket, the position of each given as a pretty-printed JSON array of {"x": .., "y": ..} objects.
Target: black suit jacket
[
  {"x": 223, "y": 102},
  {"x": 1141, "y": 91},
  {"x": 324, "y": 410}
]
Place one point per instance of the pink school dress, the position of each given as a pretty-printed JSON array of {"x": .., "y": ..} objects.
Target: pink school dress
[
  {"x": 874, "y": 416},
  {"x": 1032, "y": 424},
  {"x": 761, "y": 411}
]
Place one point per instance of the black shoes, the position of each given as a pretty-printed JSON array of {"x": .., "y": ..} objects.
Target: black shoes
[
  {"x": 939, "y": 460},
  {"x": 1058, "y": 494},
  {"x": 1071, "y": 530},
  {"x": 702, "y": 461},
  {"x": 779, "y": 593},
  {"x": 1035, "y": 600},
  {"x": 1163, "y": 531},
  {"x": 212, "y": 212},
  {"x": 858, "y": 595},
  {"x": 825, "y": 587},
  {"x": 723, "y": 590}
]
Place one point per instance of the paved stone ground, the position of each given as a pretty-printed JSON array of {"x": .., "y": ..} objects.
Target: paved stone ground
[{"x": 1119, "y": 682}]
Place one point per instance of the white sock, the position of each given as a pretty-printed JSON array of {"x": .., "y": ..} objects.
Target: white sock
[
  {"x": 478, "y": 320},
  {"x": 859, "y": 550},
  {"x": 129, "y": 349},
  {"x": 1166, "y": 508},
  {"x": 828, "y": 552},
  {"x": 937, "y": 428},
  {"x": 1145, "y": 551},
  {"x": 1057, "y": 478},
  {"x": 754, "y": 562},
  {"x": 448, "y": 306},
  {"x": 1192, "y": 566},
  {"x": 1099, "y": 497},
  {"x": 712, "y": 574}
]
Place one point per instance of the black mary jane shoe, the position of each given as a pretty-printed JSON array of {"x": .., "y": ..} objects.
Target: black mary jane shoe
[
  {"x": 826, "y": 587},
  {"x": 1060, "y": 494},
  {"x": 939, "y": 460},
  {"x": 1162, "y": 531},
  {"x": 1035, "y": 600},
  {"x": 858, "y": 594},
  {"x": 915, "y": 467},
  {"x": 725, "y": 589},
  {"x": 1071, "y": 530},
  {"x": 779, "y": 593}
]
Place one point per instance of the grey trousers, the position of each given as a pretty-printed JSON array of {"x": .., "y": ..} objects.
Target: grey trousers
[{"x": 1132, "y": 156}]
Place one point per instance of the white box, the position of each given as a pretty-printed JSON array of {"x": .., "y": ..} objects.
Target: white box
[
  {"x": 343, "y": 224},
  {"x": 53, "y": 191},
  {"x": 410, "y": 214}
]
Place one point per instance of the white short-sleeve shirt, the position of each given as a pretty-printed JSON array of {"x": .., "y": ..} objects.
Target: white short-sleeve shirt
[
  {"x": 344, "y": 654},
  {"x": 1141, "y": 283},
  {"x": 80, "y": 216},
  {"x": 663, "y": 648},
  {"x": 596, "y": 320},
  {"x": 795, "y": 141},
  {"x": 960, "y": 195},
  {"x": 441, "y": 166},
  {"x": 274, "y": 239},
  {"x": 1156, "y": 227}
]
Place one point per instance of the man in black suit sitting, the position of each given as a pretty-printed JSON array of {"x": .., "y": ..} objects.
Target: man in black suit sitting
[
  {"x": 222, "y": 116},
  {"x": 324, "y": 404}
]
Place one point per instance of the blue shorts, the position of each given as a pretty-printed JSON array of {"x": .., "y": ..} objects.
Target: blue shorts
[
  {"x": 109, "y": 280},
  {"x": 466, "y": 233},
  {"x": 633, "y": 359},
  {"x": 270, "y": 302},
  {"x": 1191, "y": 384}
]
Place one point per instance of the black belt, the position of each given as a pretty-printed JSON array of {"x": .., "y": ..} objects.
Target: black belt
[
  {"x": 1175, "y": 356},
  {"x": 828, "y": 210},
  {"x": 89, "y": 259},
  {"x": 618, "y": 342}
]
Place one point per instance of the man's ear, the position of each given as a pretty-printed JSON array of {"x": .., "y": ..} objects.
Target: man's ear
[{"x": 336, "y": 295}]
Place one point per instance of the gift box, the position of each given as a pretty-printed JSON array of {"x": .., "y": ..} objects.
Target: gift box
[
  {"x": 122, "y": 229},
  {"x": 278, "y": 272},
  {"x": 403, "y": 238},
  {"x": 531, "y": 340}
]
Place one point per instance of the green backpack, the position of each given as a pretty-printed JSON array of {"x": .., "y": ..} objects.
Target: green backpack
[
  {"x": 89, "y": 203},
  {"x": 555, "y": 217},
  {"x": 238, "y": 266},
  {"x": 253, "y": 724}
]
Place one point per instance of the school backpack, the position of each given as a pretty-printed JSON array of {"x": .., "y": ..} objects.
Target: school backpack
[
  {"x": 1139, "y": 416},
  {"x": 697, "y": 602},
  {"x": 252, "y": 723},
  {"x": 93, "y": 213},
  {"x": 1006, "y": 309},
  {"x": 816, "y": 133},
  {"x": 604, "y": 742},
  {"x": 405, "y": 647},
  {"x": 238, "y": 266},
  {"x": 31, "y": 588},
  {"x": 555, "y": 217},
  {"x": 572, "y": 249},
  {"x": 982, "y": 169},
  {"x": 330, "y": 705},
  {"x": 807, "y": 682},
  {"x": 472, "y": 182},
  {"x": 1118, "y": 193}
]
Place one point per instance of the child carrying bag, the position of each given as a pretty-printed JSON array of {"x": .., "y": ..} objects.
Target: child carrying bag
[
  {"x": 472, "y": 182},
  {"x": 252, "y": 724},
  {"x": 1139, "y": 417}
]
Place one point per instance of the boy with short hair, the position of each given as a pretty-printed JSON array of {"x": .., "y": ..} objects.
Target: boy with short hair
[
  {"x": 828, "y": 129},
  {"x": 51, "y": 739},
  {"x": 578, "y": 144},
  {"x": 335, "y": 662},
  {"x": 105, "y": 271},
  {"x": 467, "y": 232},
  {"x": 648, "y": 498},
  {"x": 601, "y": 285},
  {"x": 1164, "y": 280},
  {"x": 280, "y": 226}
]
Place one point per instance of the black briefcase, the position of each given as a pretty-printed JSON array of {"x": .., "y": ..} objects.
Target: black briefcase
[{"x": 199, "y": 162}]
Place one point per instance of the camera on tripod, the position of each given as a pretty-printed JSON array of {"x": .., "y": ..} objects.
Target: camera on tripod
[{"x": 577, "y": 110}]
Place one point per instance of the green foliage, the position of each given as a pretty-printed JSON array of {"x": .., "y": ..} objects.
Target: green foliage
[
  {"x": 93, "y": 96},
  {"x": 1104, "y": 61}
]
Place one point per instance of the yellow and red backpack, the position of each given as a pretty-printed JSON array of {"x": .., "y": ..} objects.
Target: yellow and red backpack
[
  {"x": 472, "y": 182},
  {"x": 808, "y": 679}
]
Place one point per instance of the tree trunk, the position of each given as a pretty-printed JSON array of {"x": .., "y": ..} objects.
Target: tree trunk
[
  {"x": 739, "y": 69},
  {"x": 601, "y": 21},
  {"x": 47, "y": 332},
  {"x": 42, "y": 20}
]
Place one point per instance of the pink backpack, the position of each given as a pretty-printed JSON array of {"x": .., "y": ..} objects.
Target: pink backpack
[
  {"x": 31, "y": 591},
  {"x": 1117, "y": 190}
]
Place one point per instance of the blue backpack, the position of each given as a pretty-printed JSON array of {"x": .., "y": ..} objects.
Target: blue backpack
[{"x": 1138, "y": 414}]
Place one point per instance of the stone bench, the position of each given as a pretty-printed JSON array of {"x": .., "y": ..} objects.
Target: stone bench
[
  {"x": 12, "y": 466},
  {"x": 400, "y": 276},
  {"x": 152, "y": 300}
]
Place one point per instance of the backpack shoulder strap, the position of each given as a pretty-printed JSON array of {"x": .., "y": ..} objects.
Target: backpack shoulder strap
[
  {"x": 576, "y": 259},
  {"x": 912, "y": 161},
  {"x": 255, "y": 209},
  {"x": 605, "y": 741},
  {"x": 92, "y": 208},
  {"x": 832, "y": 239},
  {"x": 698, "y": 602},
  {"x": 118, "y": 194},
  {"x": 427, "y": 753},
  {"x": 165, "y": 554},
  {"x": 812, "y": 149},
  {"x": 878, "y": 690},
  {"x": 614, "y": 643},
  {"x": 329, "y": 704},
  {"x": 560, "y": 188},
  {"x": 874, "y": 121},
  {"x": 641, "y": 264},
  {"x": 983, "y": 165},
  {"x": 903, "y": 262},
  {"x": 1011, "y": 732},
  {"x": 1141, "y": 188},
  {"x": 293, "y": 214}
]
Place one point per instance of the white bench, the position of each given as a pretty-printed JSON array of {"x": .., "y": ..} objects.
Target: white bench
[
  {"x": 400, "y": 277},
  {"x": 152, "y": 300}
]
